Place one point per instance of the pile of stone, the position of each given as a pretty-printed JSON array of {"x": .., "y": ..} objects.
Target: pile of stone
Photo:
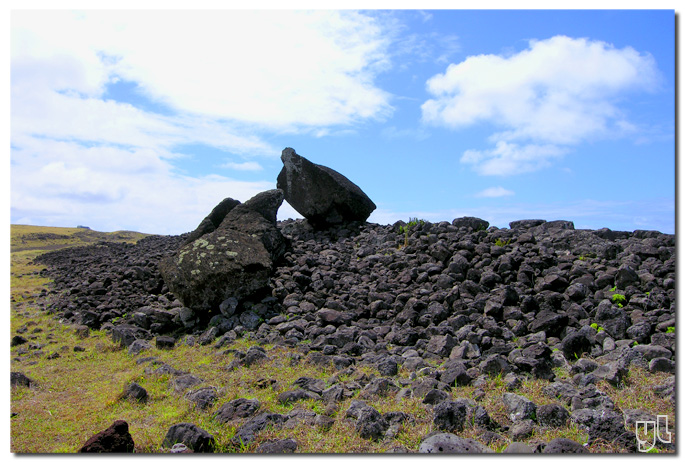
[
  {"x": 106, "y": 283},
  {"x": 482, "y": 301}
]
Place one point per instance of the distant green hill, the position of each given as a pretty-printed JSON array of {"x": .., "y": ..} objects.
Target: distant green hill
[{"x": 28, "y": 237}]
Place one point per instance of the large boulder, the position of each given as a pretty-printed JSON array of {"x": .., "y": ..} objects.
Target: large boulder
[
  {"x": 235, "y": 260},
  {"x": 322, "y": 195}
]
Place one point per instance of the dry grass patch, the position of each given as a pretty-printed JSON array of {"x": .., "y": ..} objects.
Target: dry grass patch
[{"x": 636, "y": 392}]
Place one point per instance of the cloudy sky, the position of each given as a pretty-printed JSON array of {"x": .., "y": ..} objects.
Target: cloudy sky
[{"x": 146, "y": 119}]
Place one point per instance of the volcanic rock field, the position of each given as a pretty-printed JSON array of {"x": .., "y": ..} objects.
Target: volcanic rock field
[{"x": 480, "y": 301}]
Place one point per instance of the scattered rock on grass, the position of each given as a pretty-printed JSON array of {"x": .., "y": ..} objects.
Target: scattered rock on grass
[
  {"x": 237, "y": 409},
  {"x": 449, "y": 416},
  {"x": 518, "y": 448},
  {"x": 284, "y": 446},
  {"x": 246, "y": 434},
  {"x": 192, "y": 436},
  {"x": 19, "y": 379},
  {"x": 164, "y": 342},
  {"x": 371, "y": 424},
  {"x": 564, "y": 446},
  {"x": 519, "y": 407},
  {"x": 135, "y": 392},
  {"x": 449, "y": 443},
  {"x": 115, "y": 438},
  {"x": 552, "y": 415},
  {"x": 202, "y": 398}
]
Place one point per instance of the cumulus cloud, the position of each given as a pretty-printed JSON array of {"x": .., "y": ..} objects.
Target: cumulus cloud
[
  {"x": 495, "y": 191},
  {"x": 69, "y": 183},
  {"x": 270, "y": 67},
  {"x": 511, "y": 159},
  {"x": 224, "y": 78},
  {"x": 559, "y": 91}
]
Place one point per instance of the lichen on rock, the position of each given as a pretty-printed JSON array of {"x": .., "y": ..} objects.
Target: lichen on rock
[{"x": 234, "y": 260}]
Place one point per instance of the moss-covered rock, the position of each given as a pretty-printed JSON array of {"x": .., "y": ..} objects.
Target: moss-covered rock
[{"x": 235, "y": 260}]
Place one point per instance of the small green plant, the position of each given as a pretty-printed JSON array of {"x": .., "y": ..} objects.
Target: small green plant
[
  {"x": 498, "y": 380},
  {"x": 619, "y": 299},
  {"x": 597, "y": 327},
  {"x": 412, "y": 222},
  {"x": 500, "y": 243},
  {"x": 613, "y": 289},
  {"x": 670, "y": 330},
  {"x": 405, "y": 229}
]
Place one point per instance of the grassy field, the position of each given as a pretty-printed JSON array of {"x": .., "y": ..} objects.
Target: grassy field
[{"x": 78, "y": 390}]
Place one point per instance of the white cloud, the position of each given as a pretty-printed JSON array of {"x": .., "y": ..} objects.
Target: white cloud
[
  {"x": 391, "y": 133},
  {"x": 107, "y": 188},
  {"x": 511, "y": 159},
  {"x": 495, "y": 191},
  {"x": 243, "y": 166},
  {"x": 417, "y": 48},
  {"x": 227, "y": 76},
  {"x": 559, "y": 91},
  {"x": 425, "y": 16},
  {"x": 275, "y": 68}
]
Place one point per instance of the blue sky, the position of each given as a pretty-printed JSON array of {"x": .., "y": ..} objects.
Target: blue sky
[{"x": 436, "y": 114}]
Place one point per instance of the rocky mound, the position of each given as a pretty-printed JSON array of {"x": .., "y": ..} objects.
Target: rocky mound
[
  {"x": 108, "y": 282},
  {"x": 481, "y": 301},
  {"x": 514, "y": 302},
  {"x": 451, "y": 292}
]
